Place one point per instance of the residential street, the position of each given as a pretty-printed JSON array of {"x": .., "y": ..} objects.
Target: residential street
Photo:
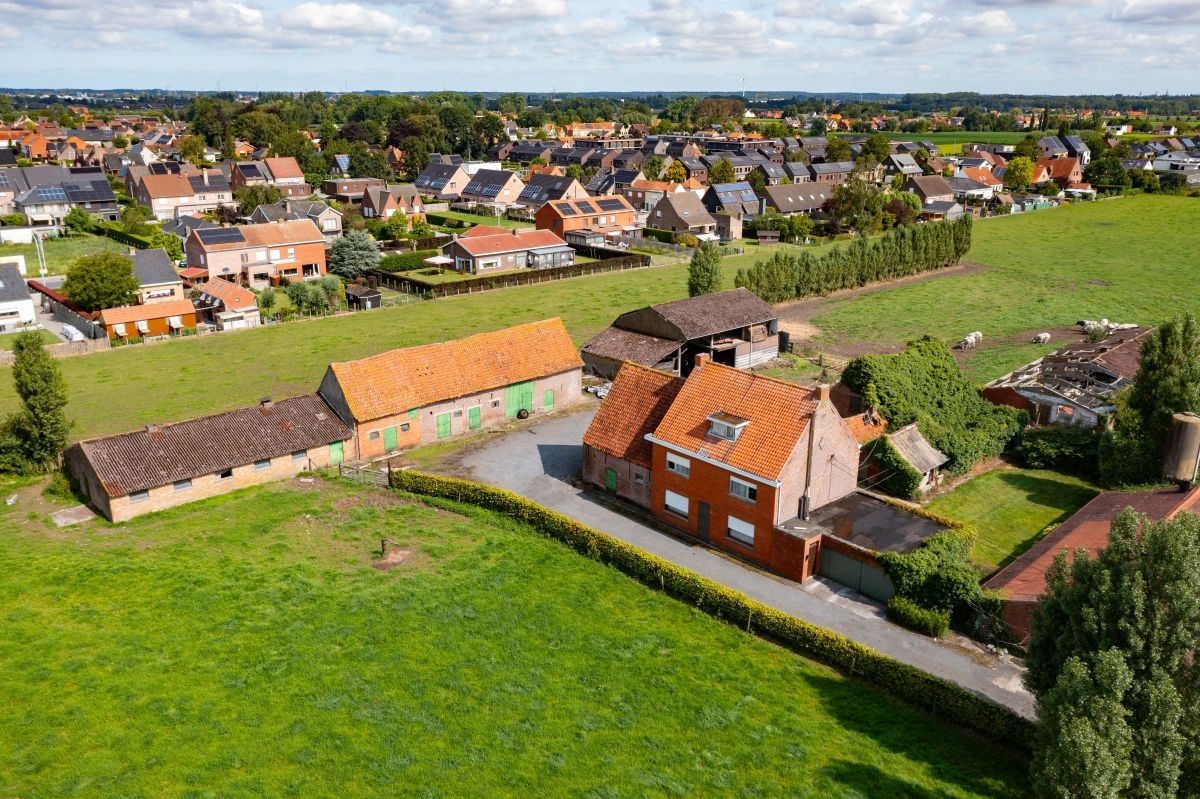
[{"x": 539, "y": 461}]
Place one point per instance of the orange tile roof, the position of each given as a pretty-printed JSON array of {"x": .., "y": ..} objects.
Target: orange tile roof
[
  {"x": 482, "y": 230},
  {"x": 397, "y": 381},
  {"x": 778, "y": 414},
  {"x": 231, "y": 295},
  {"x": 270, "y": 234},
  {"x": 1058, "y": 168},
  {"x": 509, "y": 240},
  {"x": 138, "y": 313},
  {"x": 636, "y": 403},
  {"x": 865, "y": 427},
  {"x": 981, "y": 175},
  {"x": 167, "y": 186},
  {"x": 654, "y": 185},
  {"x": 282, "y": 168}
]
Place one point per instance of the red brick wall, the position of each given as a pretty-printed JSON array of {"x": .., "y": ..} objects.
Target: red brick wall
[{"x": 709, "y": 483}]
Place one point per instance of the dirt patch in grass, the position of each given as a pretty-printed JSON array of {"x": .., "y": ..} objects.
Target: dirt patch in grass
[
  {"x": 1059, "y": 337},
  {"x": 1098, "y": 282}
]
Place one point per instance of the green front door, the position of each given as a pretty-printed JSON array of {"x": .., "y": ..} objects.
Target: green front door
[
  {"x": 335, "y": 453},
  {"x": 474, "y": 417},
  {"x": 389, "y": 439},
  {"x": 443, "y": 425},
  {"x": 548, "y": 399},
  {"x": 518, "y": 397},
  {"x": 610, "y": 479}
]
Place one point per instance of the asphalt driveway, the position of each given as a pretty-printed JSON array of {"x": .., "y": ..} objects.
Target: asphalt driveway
[{"x": 540, "y": 461}]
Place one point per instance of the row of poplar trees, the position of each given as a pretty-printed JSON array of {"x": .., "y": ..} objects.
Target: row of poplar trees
[{"x": 902, "y": 252}]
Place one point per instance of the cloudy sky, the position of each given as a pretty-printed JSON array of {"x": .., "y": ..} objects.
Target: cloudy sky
[{"x": 1056, "y": 46}]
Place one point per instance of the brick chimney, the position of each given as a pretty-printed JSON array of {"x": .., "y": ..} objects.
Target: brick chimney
[
  {"x": 824, "y": 392},
  {"x": 266, "y": 402},
  {"x": 700, "y": 359}
]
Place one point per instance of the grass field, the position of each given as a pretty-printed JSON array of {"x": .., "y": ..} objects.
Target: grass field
[
  {"x": 1126, "y": 259},
  {"x": 7, "y": 340},
  {"x": 61, "y": 252},
  {"x": 482, "y": 219},
  {"x": 951, "y": 142},
  {"x": 1010, "y": 508},
  {"x": 243, "y": 646}
]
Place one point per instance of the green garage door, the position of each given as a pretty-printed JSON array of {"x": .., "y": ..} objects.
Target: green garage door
[
  {"x": 865, "y": 578},
  {"x": 518, "y": 397},
  {"x": 389, "y": 439},
  {"x": 443, "y": 425},
  {"x": 474, "y": 417},
  {"x": 335, "y": 453}
]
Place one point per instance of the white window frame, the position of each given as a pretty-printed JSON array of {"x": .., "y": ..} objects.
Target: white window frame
[
  {"x": 679, "y": 465},
  {"x": 751, "y": 494},
  {"x": 739, "y": 530},
  {"x": 672, "y": 502}
]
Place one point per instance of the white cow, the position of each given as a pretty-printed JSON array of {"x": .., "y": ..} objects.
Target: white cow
[{"x": 1041, "y": 338}]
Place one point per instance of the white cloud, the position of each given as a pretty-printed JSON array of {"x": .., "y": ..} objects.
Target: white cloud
[
  {"x": 1159, "y": 11},
  {"x": 989, "y": 22}
]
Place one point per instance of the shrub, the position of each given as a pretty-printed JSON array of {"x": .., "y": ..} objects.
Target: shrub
[
  {"x": 907, "y": 613},
  {"x": 405, "y": 262},
  {"x": 1067, "y": 449},
  {"x": 924, "y": 384},
  {"x": 899, "y": 477},
  {"x": 938, "y": 575},
  {"x": 934, "y": 694}
]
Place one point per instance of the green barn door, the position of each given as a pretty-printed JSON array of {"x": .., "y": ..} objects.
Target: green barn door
[
  {"x": 548, "y": 399},
  {"x": 518, "y": 397},
  {"x": 474, "y": 417},
  {"x": 610, "y": 479},
  {"x": 443, "y": 425},
  {"x": 389, "y": 439},
  {"x": 335, "y": 453}
]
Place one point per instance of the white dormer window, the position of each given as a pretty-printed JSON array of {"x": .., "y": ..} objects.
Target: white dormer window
[{"x": 726, "y": 426}]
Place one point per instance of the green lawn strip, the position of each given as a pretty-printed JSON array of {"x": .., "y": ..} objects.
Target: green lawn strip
[
  {"x": 242, "y": 646},
  {"x": 1011, "y": 508},
  {"x": 794, "y": 369},
  {"x": 61, "y": 252},
  {"x": 482, "y": 219},
  {"x": 7, "y": 340}
]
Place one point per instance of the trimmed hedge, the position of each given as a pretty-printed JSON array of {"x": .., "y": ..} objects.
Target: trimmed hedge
[
  {"x": 435, "y": 218},
  {"x": 405, "y": 262},
  {"x": 938, "y": 696},
  {"x": 665, "y": 236},
  {"x": 132, "y": 239},
  {"x": 909, "y": 614}
]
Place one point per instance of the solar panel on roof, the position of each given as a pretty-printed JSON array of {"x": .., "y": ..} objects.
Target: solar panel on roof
[
  {"x": 567, "y": 209},
  {"x": 586, "y": 207},
  {"x": 438, "y": 183},
  {"x": 492, "y": 190},
  {"x": 50, "y": 193},
  {"x": 221, "y": 235},
  {"x": 610, "y": 205}
]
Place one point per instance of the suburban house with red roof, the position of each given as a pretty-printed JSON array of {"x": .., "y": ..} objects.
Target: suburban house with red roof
[
  {"x": 284, "y": 173},
  {"x": 259, "y": 255},
  {"x": 172, "y": 195},
  {"x": 156, "y": 319},
  {"x": 1024, "y": 580},
  {"x": 729, "y": 457},
  {"x": 520, "y": 248},
  {"x": 585, "y": 216},
  {"x": 419, "y": 395},
  {"x": 1063, "y": 171},
  {"x": 161, "y": 466}
]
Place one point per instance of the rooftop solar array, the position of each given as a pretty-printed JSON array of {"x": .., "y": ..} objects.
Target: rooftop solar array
[
  {"x": 566, "y": 209},
  {"x": 50, "y": 193},
  {"x": 250, "y": 170},
  {"x": 610, "y": 205},
  {"x": 586, "y": 207},
  {"x": 220, "y": 235}
]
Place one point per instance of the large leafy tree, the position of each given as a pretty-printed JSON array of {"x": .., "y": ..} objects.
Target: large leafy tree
[
  {"x": 1107, "y": 173},
  {"x": 721, "y": 172},
  {"x": 1018, "y": 173},
  {"x": 250, "y": 197},
  {"x": 103, "y": 280},
  {"x": 1113, "y": 645},
  {"x": 704, "y": 271},
  {"x": 837, "y": 149},
  {"x": 353, "y": 255},
  {"x": 32, "y": 438}
]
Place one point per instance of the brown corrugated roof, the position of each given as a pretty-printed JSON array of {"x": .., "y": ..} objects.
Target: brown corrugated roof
[
  {"x": 400, "y": 380},
  {"x": 636, "y": 403},
  {"x": 778, "y": 414},
  {"x": 913, "y": 447},
  {"x": 629, "y": 345},
  {"x": 709, "y": 314},
  {"x": 154, "y": 457}
]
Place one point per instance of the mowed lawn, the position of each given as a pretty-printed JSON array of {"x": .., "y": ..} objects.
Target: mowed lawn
[
  {"x": 244, "y": 646},
  {"x": 1011, "y": 508},
  {"x": 61, "y": 252},
  {"x": 1128, "y": 260}
]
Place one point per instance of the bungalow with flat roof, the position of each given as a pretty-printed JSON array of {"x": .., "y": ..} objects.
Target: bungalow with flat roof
[
  {"x": 419, "y": 395},
  {"x": 161, "y": 466}
]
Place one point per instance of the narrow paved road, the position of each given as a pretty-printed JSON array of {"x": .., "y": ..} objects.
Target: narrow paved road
[{"x": 539, "y": 461}]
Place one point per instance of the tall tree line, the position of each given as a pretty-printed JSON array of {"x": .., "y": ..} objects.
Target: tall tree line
[{"x": 899, "y": 253}]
